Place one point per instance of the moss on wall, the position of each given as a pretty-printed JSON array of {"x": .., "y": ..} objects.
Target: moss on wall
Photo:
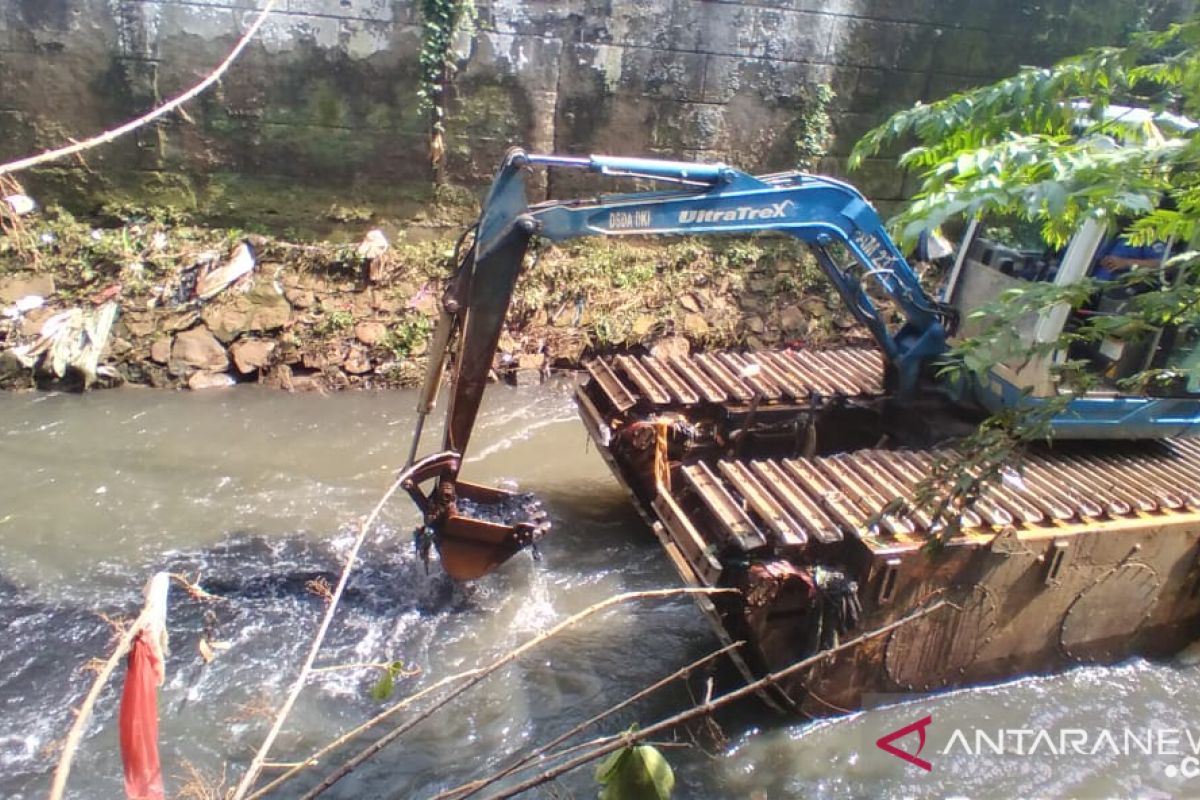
[{"x": 324, "y": 110}]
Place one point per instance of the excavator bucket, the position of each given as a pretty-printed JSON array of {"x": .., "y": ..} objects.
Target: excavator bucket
[
  {"x": 496, "y": 526},
  {"x": 474, "y": 528}
]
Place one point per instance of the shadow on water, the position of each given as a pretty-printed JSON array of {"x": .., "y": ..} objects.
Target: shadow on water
[
  {"x": 254, "y": 569},
  {"x": 392, "y": 609},
  {"x": 253, "y": 493}
]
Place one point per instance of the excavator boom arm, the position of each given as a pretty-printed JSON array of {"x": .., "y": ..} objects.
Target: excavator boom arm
[
  {"x": 713, "y": 199},
  {"x": 829, "y": 215},
  {"x": 818, "y": 211}
]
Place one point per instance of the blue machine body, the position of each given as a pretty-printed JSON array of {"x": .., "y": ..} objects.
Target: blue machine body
[{"x": 831, "y": 216}]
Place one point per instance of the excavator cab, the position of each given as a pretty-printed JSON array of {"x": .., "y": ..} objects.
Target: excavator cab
[{"x": 994, "y": 258}]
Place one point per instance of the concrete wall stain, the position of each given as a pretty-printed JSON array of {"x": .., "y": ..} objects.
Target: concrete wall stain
[{"x": 326, "y": 99}]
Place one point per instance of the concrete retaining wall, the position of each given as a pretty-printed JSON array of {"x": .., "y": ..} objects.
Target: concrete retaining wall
[{"x": 324, "y": 105}]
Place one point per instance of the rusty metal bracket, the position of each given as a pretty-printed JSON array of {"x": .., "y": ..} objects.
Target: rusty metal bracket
[
  {"x": 888, "y": 581},
  {"x": 439, "y": 465},
  {"x": 1059, "y": 559}
]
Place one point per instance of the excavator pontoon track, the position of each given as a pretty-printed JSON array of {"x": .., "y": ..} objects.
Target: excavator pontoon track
[
  {"x": 785, "y": 503},
  {"x": 1087, "y": 551},
  {"x": 776, "y": 377}
]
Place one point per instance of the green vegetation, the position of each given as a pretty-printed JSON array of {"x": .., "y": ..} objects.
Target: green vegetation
[
  {"x": 268, "y": 205},
  {"x": 812, "y": 130},
  {"x": 333, "y": 323},
  {"x": 407, "y": 336},
  {"x": 589, "y": 296},
  {"x": 625, "y": 292},
  {"x": 441, "y": 20},
  {"x": 1040, "y": 146},
  {"x": 144, "y": 250},
  {"x": 1053, "y": 147}
]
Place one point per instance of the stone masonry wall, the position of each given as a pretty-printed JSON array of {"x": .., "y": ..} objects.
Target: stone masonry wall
[{"x": 324, "y": 106}]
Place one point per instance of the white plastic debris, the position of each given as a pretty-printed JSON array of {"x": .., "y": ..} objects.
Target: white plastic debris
[
  {"x": 71, "y": 339},
  {"x": 1189, "y": 656},
  {"x": 1012, "y": 479},
  {"x": 939, "y": 246},
  {"x": 156, "y": 593},
  {"x": 210, "y": 380},
  {"x": 23, "y": 306},
  {"x": 21, "y": 204},
  {"x": 750, "y": 371},
  {"x": 373, "y": 245},
  {"x": 212, "y": 283},
  {"x": 29, "y": 302}
]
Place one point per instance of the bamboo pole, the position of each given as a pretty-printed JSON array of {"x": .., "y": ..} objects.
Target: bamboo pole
[
  {"x": 71, "y": 744},
  {"x": 75, "y": 736}
]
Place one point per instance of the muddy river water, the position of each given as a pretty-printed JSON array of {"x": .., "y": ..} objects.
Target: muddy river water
[{"x": 259, "y": 492}]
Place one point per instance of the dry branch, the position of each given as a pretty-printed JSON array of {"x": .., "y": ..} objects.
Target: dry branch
[
  {"x": 251, "y": 774},
  {"x": 474, "y": 787},
  {"x": 198, "y": 784},
  {"x": 631, "y": 737},
  {"x": 356, "y": 732},
  {"x": 473, "y": 677}
]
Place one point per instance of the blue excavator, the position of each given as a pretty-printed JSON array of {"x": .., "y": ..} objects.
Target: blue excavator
[{"x": 778, "y": 472}]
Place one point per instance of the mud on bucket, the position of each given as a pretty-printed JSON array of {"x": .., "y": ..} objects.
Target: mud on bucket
[{"x": 474, "y": 528}]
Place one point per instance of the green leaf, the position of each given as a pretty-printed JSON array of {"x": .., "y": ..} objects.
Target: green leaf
[
  {"x": 638, "y": 772},
  {"x": 383, "y": 688},
  {"x": 608, "y": 769}
]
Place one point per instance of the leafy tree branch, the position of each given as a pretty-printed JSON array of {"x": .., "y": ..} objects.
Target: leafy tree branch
[
  {"x": 1103, "y": 135},
  {"x": 1043, "y": 146}
]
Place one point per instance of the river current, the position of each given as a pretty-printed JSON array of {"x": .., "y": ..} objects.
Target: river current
[{"x": 259, "y": 494}]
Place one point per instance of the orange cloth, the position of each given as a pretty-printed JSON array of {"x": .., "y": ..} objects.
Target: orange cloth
[{"x": 139, "y": 722}]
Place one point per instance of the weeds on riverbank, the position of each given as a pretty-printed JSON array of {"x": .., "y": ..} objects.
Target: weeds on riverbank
[{"x": 327, "y": 321}]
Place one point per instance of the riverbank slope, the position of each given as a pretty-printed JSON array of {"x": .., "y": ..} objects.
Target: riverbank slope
[{"x": 208, "y": 307}]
